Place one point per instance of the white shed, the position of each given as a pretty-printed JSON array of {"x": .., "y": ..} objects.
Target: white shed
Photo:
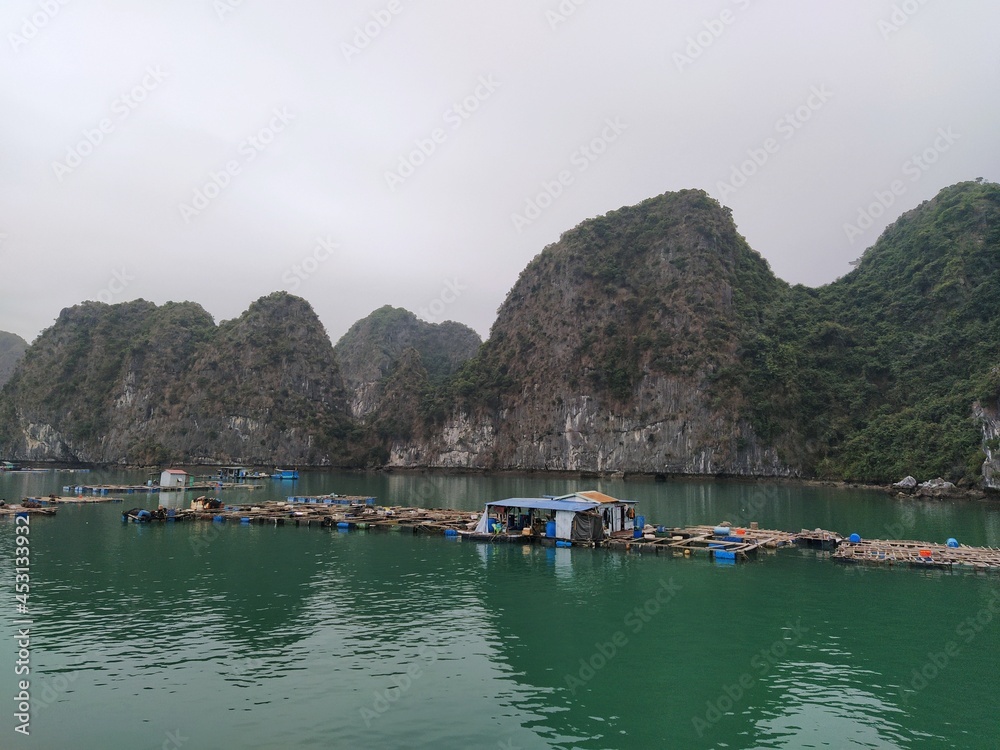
[{"x": 172, "y": 478}]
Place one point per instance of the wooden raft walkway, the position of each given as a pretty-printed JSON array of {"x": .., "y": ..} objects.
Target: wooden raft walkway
[
  {"x": 13, "y": 510},
  {"x": 740, "y": 544},
  {"x": 918, "y": 554},
  {"x": 702, "y": 539},
  {"x": 344, "y": 516},
  {"x": 129, "y": 489}
]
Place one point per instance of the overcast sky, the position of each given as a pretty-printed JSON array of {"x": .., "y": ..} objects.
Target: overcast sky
[{"x": 419, "y": 153}]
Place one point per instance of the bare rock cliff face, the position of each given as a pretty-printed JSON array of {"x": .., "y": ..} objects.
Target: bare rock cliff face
[
  {"x": 989, "y": 421},
  {"x": 607, "y": 353},
  {"x": 140, "y": 384}
]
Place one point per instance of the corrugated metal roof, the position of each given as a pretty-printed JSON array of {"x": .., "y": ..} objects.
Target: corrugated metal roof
[
  {"x": 538, "y": 503},
  {"x": 595, "y": 496}
]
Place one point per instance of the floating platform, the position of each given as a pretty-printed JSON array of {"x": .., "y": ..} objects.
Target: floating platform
[
  {"x": 14, "y": 510},
  {"x": 735, "y": 544},
  {"x": 723, "y": 544},
  {"x": 75, "y": 500},
  {"x": 331, "y": 499},
  {"x": 358, "y": 514},
  {"x": 129, "y": 489},
  {"x": 918, "y": 555}
]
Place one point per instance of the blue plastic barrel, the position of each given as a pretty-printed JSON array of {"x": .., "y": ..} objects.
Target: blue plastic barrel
[
  {"x": 637, "y": 533},
  {"x": 562, "y": 543},
  {"x": 952, "y": 542},
  {"x": 450, "y": 532},
  {"x": 854, "y": 538},
  {"x": 218, "y": 519},
  {"x": 343, "y": 525},
  {"x": 245, "y": 520},
  {"x": 721, "y": 530},
  {"x": 550, "y": 529},
  {"x": 640, "y": 522}
]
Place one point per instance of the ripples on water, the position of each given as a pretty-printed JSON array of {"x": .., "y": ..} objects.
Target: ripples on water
[{"x": 255, "y": 637}]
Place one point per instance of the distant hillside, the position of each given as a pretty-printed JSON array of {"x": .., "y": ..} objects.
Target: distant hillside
[
  {"x": 373, "y": 347},
  {"x": 605, "y": 355},
  {"x": 879, "y": 374},
  {"x": 12, "y": 348},
  {"x": 653, "y": 339},
  {"x": 140, "y": 384}
]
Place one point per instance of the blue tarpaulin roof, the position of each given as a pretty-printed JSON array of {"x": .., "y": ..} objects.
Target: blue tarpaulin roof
[{"x": 537, "y": 503}]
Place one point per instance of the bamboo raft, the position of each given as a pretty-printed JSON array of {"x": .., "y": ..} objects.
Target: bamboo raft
[
  {"x": 361, "y": 513},
  {"x": 14, "y": 510},
  {"x": 739, "y": 544},
  {"x": 357, "y": 515},
  {"x": 77, "y": 500},
  {"x": 918, "y": 555},
  {"x": 129, "y": 489}
]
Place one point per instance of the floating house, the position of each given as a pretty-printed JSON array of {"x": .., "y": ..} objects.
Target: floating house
[
  {"x": 617, "y": 515},
  {"x": 173, "y": 478},
  {"x": 285, "y": 474},
  {"x": 233, "y": 473},
  {"x": 579, "y": 517}
]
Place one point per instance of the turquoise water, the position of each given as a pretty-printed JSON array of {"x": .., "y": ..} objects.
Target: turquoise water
[{"x": 207, "y": 636}]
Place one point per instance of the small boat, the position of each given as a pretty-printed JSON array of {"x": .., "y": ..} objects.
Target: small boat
[
  {"x": 285, "y": 474},
  {"x": 141, "y": 515}
]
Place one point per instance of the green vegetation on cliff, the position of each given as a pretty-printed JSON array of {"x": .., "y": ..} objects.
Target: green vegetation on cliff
[
  {"x": 650, "y": 339},
  {"x": 12, "y": 348},
  {"x": 869, "y": 378},
  {"x": 374, "y": 347},
  {"x": 141, "y": 384},
  {"x": 874, "y": 376}
]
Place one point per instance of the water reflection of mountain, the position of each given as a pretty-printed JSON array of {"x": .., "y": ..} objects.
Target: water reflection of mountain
[{"x": 189, "y": 578}]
